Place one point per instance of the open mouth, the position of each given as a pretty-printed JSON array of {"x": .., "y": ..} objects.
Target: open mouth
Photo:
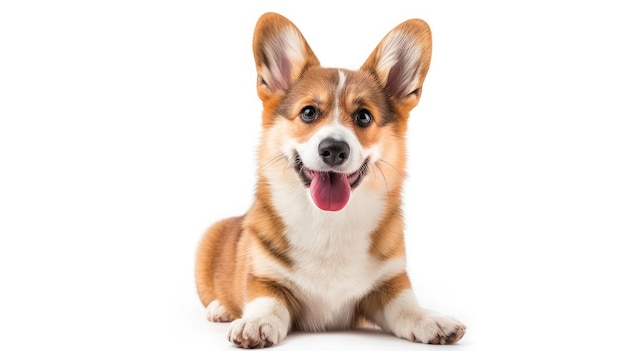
[{"x": 330, "y": 190}]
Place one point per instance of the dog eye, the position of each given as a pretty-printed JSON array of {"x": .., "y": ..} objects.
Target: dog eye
[
  {"x": 309, "y": 114},
  {"x": 363, "y": 118}
]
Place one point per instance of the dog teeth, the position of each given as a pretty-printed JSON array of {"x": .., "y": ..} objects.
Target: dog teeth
[{"x": 353, "y": 177}]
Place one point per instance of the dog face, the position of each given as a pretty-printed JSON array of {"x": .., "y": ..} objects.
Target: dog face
[{"x": 330, "y": 133}]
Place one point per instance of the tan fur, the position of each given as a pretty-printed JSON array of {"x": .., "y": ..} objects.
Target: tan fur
[
  {"x": 228, "y": 267},
  {"x": 216, "y": 253},
  {"x": 384, "y": 293}
]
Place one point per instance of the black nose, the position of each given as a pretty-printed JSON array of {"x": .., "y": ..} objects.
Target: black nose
[{"x": 333, "y": 152}]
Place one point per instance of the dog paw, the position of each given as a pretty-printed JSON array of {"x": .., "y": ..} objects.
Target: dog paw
[
  {"x": 254, "y": 333},
  {"x": 216, "y": 312},
  {"x": 431, "y": 328}
]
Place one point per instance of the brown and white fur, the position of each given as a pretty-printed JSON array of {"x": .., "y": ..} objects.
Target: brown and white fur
[{"x": 307, "y": 259}]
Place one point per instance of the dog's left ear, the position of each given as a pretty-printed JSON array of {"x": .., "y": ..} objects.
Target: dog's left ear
[
  {"x": 401, "y": 61},
  {"x": 281, "y": 55}
]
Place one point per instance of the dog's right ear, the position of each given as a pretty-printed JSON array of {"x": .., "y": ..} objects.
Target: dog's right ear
[{"x": 281, "y": 55}]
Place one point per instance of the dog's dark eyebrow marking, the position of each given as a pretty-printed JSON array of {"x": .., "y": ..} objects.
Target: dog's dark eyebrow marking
[{"x": 288, "y": 101}]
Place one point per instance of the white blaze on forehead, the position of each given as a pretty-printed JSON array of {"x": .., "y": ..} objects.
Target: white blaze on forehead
[
  {"x": 338, "y": 90},
  {"x": 308, "y": 150}
]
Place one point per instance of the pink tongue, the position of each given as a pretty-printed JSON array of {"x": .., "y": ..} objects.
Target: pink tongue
[{"x": 330, "y": 191}]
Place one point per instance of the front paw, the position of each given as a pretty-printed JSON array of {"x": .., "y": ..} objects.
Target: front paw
[
  {"x": 216, "y": 312},
  {"x": 254, "y": 333},
  {"x": 265, "y": 322},
  {"x": 431, "y": 328}
]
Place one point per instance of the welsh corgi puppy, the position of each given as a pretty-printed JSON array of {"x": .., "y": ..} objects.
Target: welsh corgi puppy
[{"x": 322, "y": 246}]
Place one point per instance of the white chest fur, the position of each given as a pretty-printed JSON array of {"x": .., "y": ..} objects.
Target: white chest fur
[{"x": 332, "y": 268}]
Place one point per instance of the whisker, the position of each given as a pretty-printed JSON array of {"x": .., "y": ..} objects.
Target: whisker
[
  {"x": 272, "y": 161},
  {"x": 292, "y": 162},
  {"x": 392, "y": 167},
  {"x": 384, "y": 178}
]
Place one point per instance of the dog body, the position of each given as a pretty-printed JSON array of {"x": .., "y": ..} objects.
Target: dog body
[{"x": 322, "y": 246}]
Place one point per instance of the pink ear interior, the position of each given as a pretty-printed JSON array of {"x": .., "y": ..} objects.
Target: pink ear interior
[
  {"x": 281, "y": 53},
  {"x": 402, "y": 59},
  {"x": 403, "y": 74},
  {"x": 279, "y": 66}
]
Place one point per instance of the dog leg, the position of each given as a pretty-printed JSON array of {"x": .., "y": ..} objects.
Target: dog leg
[
  {"x": 264, "y": 323},
  {"x": 403, "y": 317},
  {"x": 394, "y": 308}
]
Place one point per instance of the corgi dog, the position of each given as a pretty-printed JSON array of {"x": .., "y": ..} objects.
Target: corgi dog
[{"x": 322, "y": 246}]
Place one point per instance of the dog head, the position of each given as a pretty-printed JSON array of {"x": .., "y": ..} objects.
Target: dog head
[{"x": 331, "y": 133}]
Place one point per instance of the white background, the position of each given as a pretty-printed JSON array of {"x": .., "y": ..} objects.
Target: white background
[{"x": 128, "y": 127}]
